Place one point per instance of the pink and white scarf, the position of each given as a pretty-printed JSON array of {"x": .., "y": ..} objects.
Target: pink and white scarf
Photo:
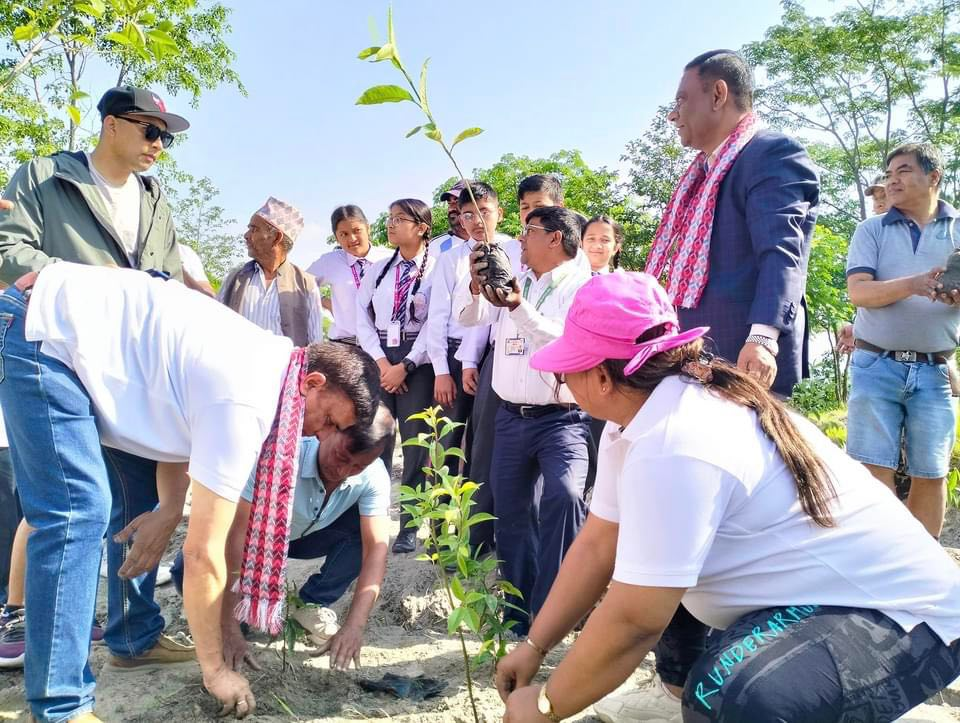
[
  {"x": 261, "y": 584},
  {"x": 680, "y": 253}
]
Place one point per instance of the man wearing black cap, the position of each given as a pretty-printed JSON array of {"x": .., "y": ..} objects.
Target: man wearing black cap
[
  {"x": 456, "y": 234},
  {"x": 96, "y": 208}
]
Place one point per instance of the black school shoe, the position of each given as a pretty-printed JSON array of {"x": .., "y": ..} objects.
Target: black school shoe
[{"x": 406, "y": 542}]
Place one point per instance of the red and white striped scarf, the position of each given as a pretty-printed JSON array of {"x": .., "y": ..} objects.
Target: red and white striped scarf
[
  {"x": 261, "y": 584},
  {"x": 680, "y": 254}
]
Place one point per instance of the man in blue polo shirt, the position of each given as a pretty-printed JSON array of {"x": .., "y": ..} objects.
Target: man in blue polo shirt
[
  {"x": 904, "y": 336},
  {"x": 340, "y": 512}
]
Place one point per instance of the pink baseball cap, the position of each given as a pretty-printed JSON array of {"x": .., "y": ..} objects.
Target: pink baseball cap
[{"x": 608, "y": 314}]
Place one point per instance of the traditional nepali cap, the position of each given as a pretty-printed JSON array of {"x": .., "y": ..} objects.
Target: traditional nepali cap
[
  {"x": 283, "y": 217},
  {"x": 609, "y": 313},
  {"x": 453, "y": 193}
]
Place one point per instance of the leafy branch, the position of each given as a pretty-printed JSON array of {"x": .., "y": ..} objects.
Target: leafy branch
[{"x": 417, "y": 95}]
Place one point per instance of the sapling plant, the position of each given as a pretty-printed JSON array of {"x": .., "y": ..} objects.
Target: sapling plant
[
  {"x": 464, "y": 573},
  {"x": 497, "y": 273}
]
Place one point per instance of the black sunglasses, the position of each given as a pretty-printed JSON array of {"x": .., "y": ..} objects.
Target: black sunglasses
[{"x": 151, "y": 132}]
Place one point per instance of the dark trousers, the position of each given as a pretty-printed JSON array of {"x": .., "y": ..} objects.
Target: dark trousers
[
  {"x": 534, "y": 532},
  {"x": 10, "y": 515},
  {"x": 419, "y": 396},
  {"x": 812, "y": 664},
  {"x": 340, "y": 543},
  {"x": 479, "y": 448},
  {"x": 682, "y": 642},
  {"x": 462, "y": 403}
]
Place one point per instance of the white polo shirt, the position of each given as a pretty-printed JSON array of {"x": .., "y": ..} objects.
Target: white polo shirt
[
  {"x": 705, "y": 502},
  {"x": 173, "y": 375}
]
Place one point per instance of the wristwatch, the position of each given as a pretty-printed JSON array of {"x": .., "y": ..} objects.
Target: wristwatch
[
  {"x": 409, "y": 365},
  {"x": 766, "y": 342},
  {"x": 545, "y": 706}
]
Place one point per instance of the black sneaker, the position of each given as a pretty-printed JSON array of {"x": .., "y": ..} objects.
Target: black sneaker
[
  {"x": 12, "y": 639},
  {"x": 406, "y": 542}
]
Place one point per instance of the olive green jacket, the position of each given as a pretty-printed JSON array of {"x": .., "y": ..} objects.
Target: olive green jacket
[{"x": 59, "y": 214}]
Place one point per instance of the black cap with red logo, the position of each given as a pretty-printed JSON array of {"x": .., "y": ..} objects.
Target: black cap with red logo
[{"x": 127, "y": 99}]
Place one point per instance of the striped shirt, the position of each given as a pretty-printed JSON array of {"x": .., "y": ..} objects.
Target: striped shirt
[{"x": 261, "y": 305}]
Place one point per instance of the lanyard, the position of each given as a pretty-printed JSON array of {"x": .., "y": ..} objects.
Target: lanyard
[
  {"x": 546, "y": 292},
  {"x": 356, "y": 276}
]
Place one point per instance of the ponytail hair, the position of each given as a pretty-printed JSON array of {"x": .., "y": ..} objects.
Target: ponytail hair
[{"x": 814, "y": 486}]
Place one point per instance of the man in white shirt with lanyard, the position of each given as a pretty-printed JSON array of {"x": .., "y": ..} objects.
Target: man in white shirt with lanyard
[
  {"x": 270, "y": 291},
  {"x": 539, "y": 429}
]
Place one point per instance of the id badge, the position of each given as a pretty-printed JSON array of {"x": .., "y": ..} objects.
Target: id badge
[
  {"x": 517, "y": 346},
  {"x": 393, "y": 334}
]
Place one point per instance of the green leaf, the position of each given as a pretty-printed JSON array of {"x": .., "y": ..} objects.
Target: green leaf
[
  {"x": 385, "y": 94},
  {"x": 386, "y": 51},
  {"x": 473, "y": 597},
  {"x": 457, "y": 589},
  {"x": 94, "y": 8},
  {"x": 165, "y": 25},
  {"x": 468, "y": 133},
  {"x": 391, "y": 38},
  {"x": 26, "y": 32},
  {"x": 118, "y": 38},
  {"x": 147, "y": 18},
  {"x": 161, "y": 38},
  {"x": 367, "y": 52},
  {"x": 480, "y": 517},
  {"x": 453, "y": 622},
  {"x": 74, "y": 114},
  {"x": 424, "y": 557},
  {"x": 434, "y": 135},
  {"x": 413, "y": 132},
  {"x": 472, "y": 619},
  {"x": 78, "y": 95},
  {"x": 456, "y": 452}
]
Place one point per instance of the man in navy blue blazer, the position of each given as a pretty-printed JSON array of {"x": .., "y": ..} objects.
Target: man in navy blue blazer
[
  {"x": 766, "y": 209},
  {"x": 757, "y": 249}
]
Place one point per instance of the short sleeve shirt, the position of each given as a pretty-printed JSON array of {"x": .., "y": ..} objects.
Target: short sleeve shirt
[{"x": 369, "y": 490}]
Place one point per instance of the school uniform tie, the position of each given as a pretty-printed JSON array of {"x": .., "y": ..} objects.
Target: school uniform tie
[{"x": 404, "y": 282}]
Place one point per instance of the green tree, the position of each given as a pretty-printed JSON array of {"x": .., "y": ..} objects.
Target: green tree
[
  {"x": 586, "y": 190},
  {"x": 854, "y": 86},
  {"x": 202, "y": 226},
  {"x": 176, "y": 45}
]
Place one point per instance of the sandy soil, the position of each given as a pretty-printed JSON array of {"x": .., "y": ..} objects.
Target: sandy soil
[{"x": 405, "y": 635}]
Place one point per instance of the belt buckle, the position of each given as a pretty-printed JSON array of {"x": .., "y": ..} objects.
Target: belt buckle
[
  {"x": 905, "y": 356},
  {"x": 524, "y": 408}
]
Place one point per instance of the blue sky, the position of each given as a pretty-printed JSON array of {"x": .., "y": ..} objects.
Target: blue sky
[{"x": 537, "y": 76}]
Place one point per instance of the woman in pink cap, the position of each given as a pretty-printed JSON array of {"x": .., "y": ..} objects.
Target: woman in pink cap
[{"x": 828, "y": 599}]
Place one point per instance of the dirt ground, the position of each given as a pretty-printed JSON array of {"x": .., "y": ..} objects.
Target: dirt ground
[{"x": 405, "y": 635}]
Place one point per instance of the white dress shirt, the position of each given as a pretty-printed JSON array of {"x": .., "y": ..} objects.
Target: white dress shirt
[
  {"x": 339, "y": 269},
  {"x": 261, "y": 305},
  {"x": 382, "y": 299},
  {"x": 476, "y": 338},
  {"x": 537, "y": 320}
]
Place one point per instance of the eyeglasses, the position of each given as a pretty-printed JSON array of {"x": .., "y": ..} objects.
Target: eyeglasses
[
  {"x": 395, "y": 220},
  {"x": 151, "y": 132},
  {"x": 526, "y": 228},
  {"x": 470, "y": 216}
]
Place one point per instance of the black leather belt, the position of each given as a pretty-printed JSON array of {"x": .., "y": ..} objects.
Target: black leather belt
[
  {"x": 347, "y": 340},
  {"x": 532, "y": 411},
  {"x": 905, "y": 355}
]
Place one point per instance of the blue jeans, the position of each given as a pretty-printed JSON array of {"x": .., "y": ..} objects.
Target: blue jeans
[
  {"x": 9, "y": 518},
  {"x": 64, "y": 490},
  {"x": 813, "y": 664},
  {"x": 134, "y": 622},
  {"x": 535, "y": 528},
  {"x": 341, "y": 545},
  {"x": 888, "y": 398}
]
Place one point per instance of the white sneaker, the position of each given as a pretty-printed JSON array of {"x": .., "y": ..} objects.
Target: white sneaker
[
  {"x": 652, "y": 703},
  {"x": 319, "y": 622},
  {"x": 163, "y": 574}
]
